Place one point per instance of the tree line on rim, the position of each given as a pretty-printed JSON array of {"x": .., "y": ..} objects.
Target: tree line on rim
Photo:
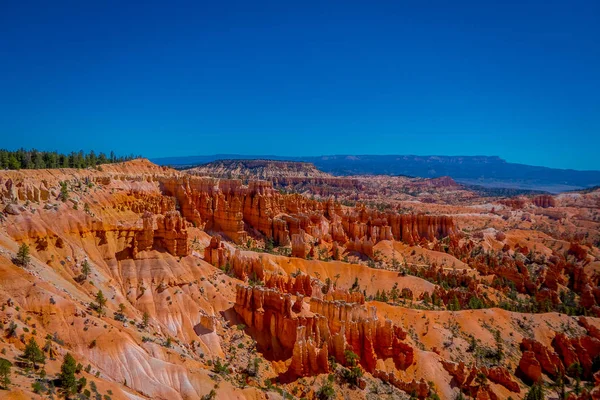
[{"x": 34, "y": 159}]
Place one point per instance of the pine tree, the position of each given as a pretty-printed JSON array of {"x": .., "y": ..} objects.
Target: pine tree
[
  {"x": 145, "y": 319},
  {"x": 38, "y": 161},
  {"x": 269, "y": 245},
  {"x": 535, "y": 393},
  {"x": 394, "y": 293},
  {"x": 475, "y": 303},
  {"x": 64, "y": 191},
  {"x": 81, "y": 384},
  {"x": 499, "y": 345},
  {"x": 33, "y": 353},
  {"x": 454, "y": 304},
  {"x": 23, "y": 257},
  {"x": 5, "y": 367},
  {"x": 384, "y": 296},
  {"x": 353, "y": 373},
  {"x": 426, "y": 298},
  {"x": 100, "y": 301},
  {"x": 68, "y": 382},
  {"x": 85, "y": 269}
]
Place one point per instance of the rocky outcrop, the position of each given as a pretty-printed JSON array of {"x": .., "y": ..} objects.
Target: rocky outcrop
[
  {"x": 579, "y": 349},
  {"x": 530, "y": 367},
  {"x": 297, "y": 285},
  {"x": 300, "y": 247},
  {"x": 328, "y": 328},
  {"x": 501, "y": 376},
  {"x": 167, "y": 231},
  {"x": 592, "y": 330},
  {"x": 578, "y": 251},
  {"x": 268, "y": 311},
  {"x": 281, "y": 234},
  {"x": 548, "y": 361},
  {"x": 23, "y": 190},
  {"x": 13, "y": 209},
  {"x": 466, "y": 379},
  {"x": 568, "y": 351},
  {"x": 307, "y": 357},
  {"x": 216, "y": 253},
  {"x": 172, "y": 233},
  {"x": 514, "y": 202},
  {"x": 362, "y": 245},
  {"x": 246, "y": 268},
  {"x": 159, "y": 224},
  {"x": 544, "y": 201},
  {"x": 420, "y": 388}
]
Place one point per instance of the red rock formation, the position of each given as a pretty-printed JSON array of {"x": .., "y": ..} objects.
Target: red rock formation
[
  {"x": 216, "y": 253},
  {"x": 530, "y": 366},
  {"x": 281, "y": 234},
  {"x": 544, "y": 201},
  {"x": 587, "y": 299},
  {"x": 172, "y": 233},
  {"x": 514, "y": 202},
  {"x": 458, "y": 371},
  {"x": 548, "y": 360},
  {"x": 300, "y": 248},
  {"x": 465, "y": 378},
  {"x": 307, "y": 358},
  {"x": 247, "y": 267},
  {"x": 580, "y": 349},
  {"x": 554, "y": 277},
  {"x": 420, "y": 389},
  {"x": 227, "y": 206},
  {"x": 141, "y": 201},
  {"x": 343, "y": 295},
  {"x": 501, "y": 376},
  {"x": 329, "y": 328},
  {"x": 578, "y": 251},
  {"x": 547, "y": 296},
  {"x": 361, "y": 245},
  {"x": 299, "y": 285},
  {"x": 578, "y": 279},
  {"x": 592, "y": 330}
]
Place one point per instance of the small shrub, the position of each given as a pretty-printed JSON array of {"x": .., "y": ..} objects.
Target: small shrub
[
  {"x": 219, "y": 367},
  {"x": 326, "y": 392}
]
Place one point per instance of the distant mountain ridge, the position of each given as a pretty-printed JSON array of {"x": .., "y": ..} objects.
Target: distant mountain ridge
[{"x": 488, "y": 171}]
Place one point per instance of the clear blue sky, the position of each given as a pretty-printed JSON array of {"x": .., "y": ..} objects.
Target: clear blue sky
[{"x": 518, "y": 79}]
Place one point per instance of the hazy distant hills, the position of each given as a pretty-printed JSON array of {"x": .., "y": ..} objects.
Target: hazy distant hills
[{"x": 478, "y": 170}]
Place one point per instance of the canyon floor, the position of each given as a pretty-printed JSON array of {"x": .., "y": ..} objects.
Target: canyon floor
[{"x": 239, "y": 282}]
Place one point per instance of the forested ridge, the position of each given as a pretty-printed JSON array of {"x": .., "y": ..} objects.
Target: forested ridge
[{"x": 34, "y": 159}]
